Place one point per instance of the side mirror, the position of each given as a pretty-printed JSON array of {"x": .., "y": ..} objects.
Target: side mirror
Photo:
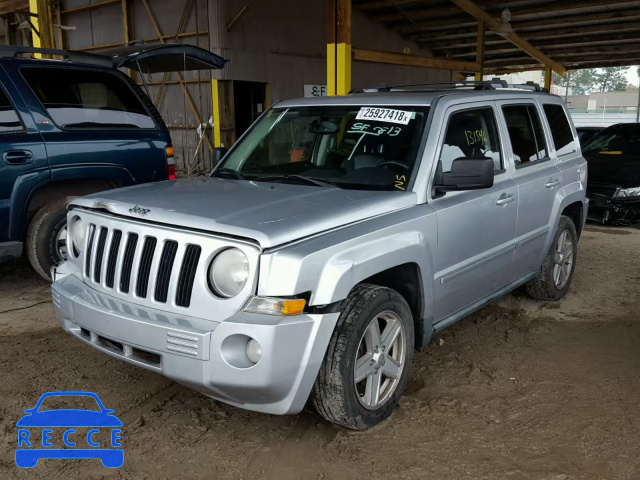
[
  {"x": 218, "y": 154},
  {"x": 467, "y": 174}
]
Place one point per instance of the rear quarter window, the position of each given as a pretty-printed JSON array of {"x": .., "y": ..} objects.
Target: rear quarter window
[
  {"x": 560, "y": 129},
  {"x": 87, "y": 99}
]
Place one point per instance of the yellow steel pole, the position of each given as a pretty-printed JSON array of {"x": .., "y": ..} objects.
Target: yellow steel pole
[
  {"x": 33, "y": 9},
  {"x": 215, "y": 100},
  {"x": 338, "y": 47},
  {"x": 547, "y": 78}
]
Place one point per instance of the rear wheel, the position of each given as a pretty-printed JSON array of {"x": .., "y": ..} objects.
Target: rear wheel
[
  {"x": 47, "y": 238},
  {"x": 556, "y": 273},
  {"x": 368, "y": 361}
]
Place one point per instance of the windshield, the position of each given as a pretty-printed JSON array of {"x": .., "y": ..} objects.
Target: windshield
[
  {"x": 356, "y": 147},
  {"x": 618, "y": 141}
]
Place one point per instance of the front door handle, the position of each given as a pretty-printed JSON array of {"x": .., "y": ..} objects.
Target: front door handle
[
  {"x": 17, "y": 157},
  {"x": 505, "y": 198},
  {"x": 552, "y": 182}
]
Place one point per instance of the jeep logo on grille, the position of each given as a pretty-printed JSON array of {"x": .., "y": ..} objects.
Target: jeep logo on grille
[{"x": 139, "y": 210}]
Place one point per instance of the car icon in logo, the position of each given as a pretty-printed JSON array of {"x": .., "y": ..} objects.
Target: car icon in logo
[{"x": 68, "y": 425}]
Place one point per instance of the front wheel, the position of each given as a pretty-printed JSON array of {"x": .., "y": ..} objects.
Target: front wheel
[
  {"x": 556, "y": 273},
  {"x": 47, "y": 238},
  {"x": 368, "y": 361}
]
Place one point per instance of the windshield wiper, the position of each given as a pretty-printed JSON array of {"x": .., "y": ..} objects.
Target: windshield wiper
[
  {"x": 229, "y": 171},
  {"x": 309, "y": 180}
]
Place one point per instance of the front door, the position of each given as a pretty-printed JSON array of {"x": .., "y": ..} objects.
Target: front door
[
  {"x": 537, "y": 178},
  {"x": 23, "y": 159},
  {"x": 476, "y": 228}
]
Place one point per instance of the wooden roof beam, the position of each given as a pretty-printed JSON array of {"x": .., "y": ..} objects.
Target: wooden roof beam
[
  {"x": 413, "y": 60},
  {"x": 475, "y": 11}
]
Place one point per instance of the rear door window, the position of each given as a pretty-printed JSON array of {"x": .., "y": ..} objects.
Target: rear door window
[
  {"x": 87, "y": 99},
  {"x": 525, "y": 132},
  {"x": 560, "y": 129}
]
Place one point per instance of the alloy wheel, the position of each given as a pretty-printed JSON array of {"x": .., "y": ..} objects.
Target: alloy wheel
[{"x": 380, "y": 360}]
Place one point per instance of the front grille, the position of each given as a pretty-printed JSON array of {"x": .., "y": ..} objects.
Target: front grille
[
  {"x": 113, "y": 258},
  {"x": 148, "y": 250},
  {"x": 187, "y": 274},
  {"x": 97, "y": 269},
  {"x": 164, "y": 270},
  {"x": 127, "y": 263},
  {"x": 116, "y": 258}
]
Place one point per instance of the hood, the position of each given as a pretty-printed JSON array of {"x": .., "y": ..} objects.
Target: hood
[
  {"x": 270, "y": 213},
  {"x": 614, "y": 170}
]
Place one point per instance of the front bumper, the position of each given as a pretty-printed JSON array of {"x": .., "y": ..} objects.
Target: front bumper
[{"x": 197, "y": 352}]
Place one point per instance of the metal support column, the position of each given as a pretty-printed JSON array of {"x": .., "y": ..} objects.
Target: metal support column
[
  {"x": 480, "y": 51},
  {"x": 547, "y": 78},
  {"x": 338, "y": 47}
]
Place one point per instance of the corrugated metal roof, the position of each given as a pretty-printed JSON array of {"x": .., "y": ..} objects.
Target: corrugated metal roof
[{"x": 576, "y": 33}]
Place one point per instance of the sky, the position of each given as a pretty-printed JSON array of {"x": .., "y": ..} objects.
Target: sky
[{"x": 632, "y": 75}]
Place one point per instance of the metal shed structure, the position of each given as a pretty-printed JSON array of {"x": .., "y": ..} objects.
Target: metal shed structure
[{"x": 277, "y": 48}]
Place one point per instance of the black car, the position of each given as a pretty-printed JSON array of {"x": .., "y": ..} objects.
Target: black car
[
  {"x": 585, "y": 134},
  {"x": 613, "y": 186}
]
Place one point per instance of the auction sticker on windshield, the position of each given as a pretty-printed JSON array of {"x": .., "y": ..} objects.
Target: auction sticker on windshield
[{"x": 385, "y": 115}]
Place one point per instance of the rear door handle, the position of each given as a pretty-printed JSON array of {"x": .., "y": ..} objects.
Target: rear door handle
[
  {"x": 17, "y": 157},
  {"x": 552, "y": 182},
  {"x": 505, "y": 198}
]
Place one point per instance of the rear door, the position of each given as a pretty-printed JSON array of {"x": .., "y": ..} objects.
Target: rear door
[
  {"x": 95, "y": 118},
  {"x": 23, "y": 159},
  {"x": 476, "y": 228},
  {"x": 538, "y": 180}
]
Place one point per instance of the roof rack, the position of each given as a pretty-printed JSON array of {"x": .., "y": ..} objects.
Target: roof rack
[
  {"x": 493, "y": 84},
  {"x": 13, "y": 51}
]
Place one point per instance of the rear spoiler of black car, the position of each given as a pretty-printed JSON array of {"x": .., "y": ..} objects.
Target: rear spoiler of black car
[{"x": 142, "y": 57}]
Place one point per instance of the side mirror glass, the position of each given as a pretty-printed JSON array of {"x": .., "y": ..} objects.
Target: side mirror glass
[{"x": 467, "y": 174}]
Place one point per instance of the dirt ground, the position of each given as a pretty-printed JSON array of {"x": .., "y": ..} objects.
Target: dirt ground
[{"x": 520, "y": 390}]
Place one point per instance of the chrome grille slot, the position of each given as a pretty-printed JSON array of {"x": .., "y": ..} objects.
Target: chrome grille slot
[
  {"x": 187, "y": 275},
  {"x": 87, "y": 262},
  {"x": 148, "y": 250},
  {"x": 164, "y": 270},
  {"x": 113, "y": 258},
  {"x": 127, "y": 262},
  {"x": 102, "y": 239}
]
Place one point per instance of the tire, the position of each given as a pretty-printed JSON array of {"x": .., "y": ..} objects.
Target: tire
[
  {"x": 334, "y": 394},
  {"x": 42, "y": 237},
  {"x": 545, "y": 286}
]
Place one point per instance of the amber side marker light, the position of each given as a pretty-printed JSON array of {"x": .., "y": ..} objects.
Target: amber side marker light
[
  {"x": 611, "y": 152},
  {"x": 171, "y": 163},
  {"x": 275, "y": 306}
]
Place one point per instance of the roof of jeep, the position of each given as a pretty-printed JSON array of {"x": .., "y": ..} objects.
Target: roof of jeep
[{"x": 423, "y": 97}]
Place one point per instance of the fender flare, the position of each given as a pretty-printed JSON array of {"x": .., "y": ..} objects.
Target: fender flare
[{"x": 28, "y": 186}]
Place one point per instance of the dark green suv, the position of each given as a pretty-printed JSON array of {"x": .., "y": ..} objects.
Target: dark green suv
[{"x": 75, "y": 124}]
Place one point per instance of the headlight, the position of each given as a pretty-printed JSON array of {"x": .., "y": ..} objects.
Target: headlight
[
  {"x": 75, "y": 232},
  {"x": 228, "y": 273},
  {"x": 627, "y": 192}
]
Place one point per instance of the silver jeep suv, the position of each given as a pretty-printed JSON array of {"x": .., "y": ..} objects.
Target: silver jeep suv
[{"x": 335, "y": 237}]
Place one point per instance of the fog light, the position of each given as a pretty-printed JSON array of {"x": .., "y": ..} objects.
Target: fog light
[{"x": 254, "y": 351}]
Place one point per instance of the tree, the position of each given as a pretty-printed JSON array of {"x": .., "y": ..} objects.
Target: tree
[
  {"x": 611, "y": 79},
  {"x": 581, "y": 81}
]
